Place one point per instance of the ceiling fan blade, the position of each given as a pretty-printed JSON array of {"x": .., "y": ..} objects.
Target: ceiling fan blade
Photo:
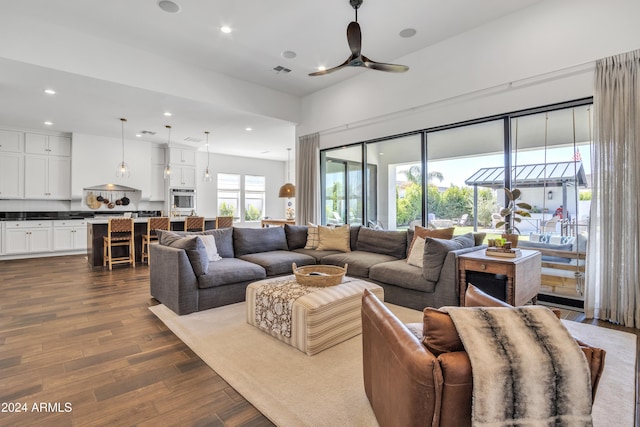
[
  {"x": 331, "y": 70},
  {"x": 354, "y": 37},
  {"x": 381, "y": 66}
]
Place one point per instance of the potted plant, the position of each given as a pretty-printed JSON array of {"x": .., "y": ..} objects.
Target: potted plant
[{"x": 512, "y": 215}]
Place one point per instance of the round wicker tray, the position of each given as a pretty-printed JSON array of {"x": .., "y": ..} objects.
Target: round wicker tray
[{"x": 319, "y": 275}]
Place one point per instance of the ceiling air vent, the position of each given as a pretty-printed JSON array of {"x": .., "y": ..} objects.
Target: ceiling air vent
[
  {"x": 191, "y": 139},
  {"x": 147, "y": 132},
  {"x": 280, "y": 69}
]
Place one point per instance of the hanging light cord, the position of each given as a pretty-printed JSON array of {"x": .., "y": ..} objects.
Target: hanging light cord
[
  {"x": 208, "y": 156},
  {"x": 122, "y": 120}
]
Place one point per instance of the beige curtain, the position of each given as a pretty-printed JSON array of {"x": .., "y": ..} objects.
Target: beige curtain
[
  {"x": 308, "y": 179},
  {"x": 613, "y": 260}
]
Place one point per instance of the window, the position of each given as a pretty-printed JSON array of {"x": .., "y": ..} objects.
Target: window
[
  {"x": 232, "y": 195},
  {"x": 228, "y": 195},
  {"x": 254, "y": 196}
]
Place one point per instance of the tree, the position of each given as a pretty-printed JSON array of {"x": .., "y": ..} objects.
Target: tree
[
  {"x": 409, "y": 207},
  {"x": 457, "y": 201},
  {"x": 252, "y": 213},
  {"x": 226, "y": 209},
  {"x": 486, "y": 205}
]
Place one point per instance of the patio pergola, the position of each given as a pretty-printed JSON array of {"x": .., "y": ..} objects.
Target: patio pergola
[{"x": 549, "y": 175}]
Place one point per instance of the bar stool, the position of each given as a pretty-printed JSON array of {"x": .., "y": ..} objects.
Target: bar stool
[
  {"x": 119, "y": 233},
  {"x": 153, "y": 224},
  {"x": 224, "y": 222},
  {"x": 194, "y": 223}
]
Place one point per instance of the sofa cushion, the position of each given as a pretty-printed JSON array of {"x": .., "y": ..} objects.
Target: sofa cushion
[
  {"x": 436, "y": 250},
  {"x": 195, "y": 249},
  {"x": 334, "y": 238},
  {"x": 400, "y": 274},
  {"x": 278, "y": 262},
  {"x": 255, "y": 240},
  {"x": 296, "y": 236},
  {"x": 230, "y": 270},
  {"x": 312, "y": 237},
  {"x": 359, "y": 262},
  {"x": 439, "y": 333},
  {"x": 223, "y": 236},
  {"x": 318, "y": 255},
  {"x": 385, "y": 242},
  {"x": 548, "y": 258},
  {"x": 439, "y": 233}
]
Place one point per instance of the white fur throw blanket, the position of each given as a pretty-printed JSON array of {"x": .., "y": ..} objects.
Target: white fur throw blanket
[{"x": 527, "y": 369}]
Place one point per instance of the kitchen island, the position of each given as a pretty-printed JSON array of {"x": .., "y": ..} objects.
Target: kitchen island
[{"x": 97, "y": 229}]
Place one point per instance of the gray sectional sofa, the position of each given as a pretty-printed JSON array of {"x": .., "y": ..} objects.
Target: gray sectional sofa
[{"x": 183, "y": 278}]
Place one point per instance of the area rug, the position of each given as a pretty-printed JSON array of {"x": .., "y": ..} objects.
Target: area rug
[{"x": 293, "y": 389}]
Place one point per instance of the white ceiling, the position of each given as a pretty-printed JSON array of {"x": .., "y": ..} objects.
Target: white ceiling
[{"x": 262, "y": 30}]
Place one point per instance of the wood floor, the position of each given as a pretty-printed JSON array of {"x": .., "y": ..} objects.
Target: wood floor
[
  {"x": 82, "y": 342},
  {"x": 70, "y": 334}
]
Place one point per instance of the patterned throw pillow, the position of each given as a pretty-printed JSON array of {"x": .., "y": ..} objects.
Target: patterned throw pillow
[{"x": 313, "y": 239}]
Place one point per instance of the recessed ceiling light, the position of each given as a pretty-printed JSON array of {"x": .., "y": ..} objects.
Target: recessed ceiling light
[
  {"x": 169, "y": 6},
  {"x": 167, "y": 114},
  {"x": 225, "y": 29},
  {"x": 322, "y": 68},
  {"x": 289, "y": 54},
  {"x": 48, "y": 123},
  {"x": 408, "y": 32},
  {"x": 248, "y": 129},
  {"x": 50, "y": 91},
  {"x": 138, "y": 135}
]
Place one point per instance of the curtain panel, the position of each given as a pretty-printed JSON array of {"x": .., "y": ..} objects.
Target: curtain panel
[
  {"x": 613, "y": 259},
  {"x": 308, "y": 179}
]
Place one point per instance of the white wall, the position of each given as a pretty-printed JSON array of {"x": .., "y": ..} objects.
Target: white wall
[
  {"x": 94, "y": 160},
  {"x": 207, "y": 192},
  {"x": 547, "y": 51}
]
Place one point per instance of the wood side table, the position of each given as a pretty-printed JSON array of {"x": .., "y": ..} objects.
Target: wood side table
[
  {"x": 277, "y": 222},
  {"x": 523, "y": 273}
]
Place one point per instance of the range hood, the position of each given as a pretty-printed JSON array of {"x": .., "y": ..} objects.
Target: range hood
[{"x": 111, "y": 187}]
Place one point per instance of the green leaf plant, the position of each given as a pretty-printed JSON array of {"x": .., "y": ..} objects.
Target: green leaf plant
[{"x": 514, "y": 212}]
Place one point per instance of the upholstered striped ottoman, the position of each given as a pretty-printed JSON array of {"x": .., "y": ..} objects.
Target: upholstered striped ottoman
[{"x": 308, "y": 318}]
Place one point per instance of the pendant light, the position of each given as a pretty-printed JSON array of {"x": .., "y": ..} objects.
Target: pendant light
[
  {"x": 167, "y": 168},
  {"x": 123, "y": 168},
  {"x": 288, "y": 190},
  {"x": 208, "y": 176}
]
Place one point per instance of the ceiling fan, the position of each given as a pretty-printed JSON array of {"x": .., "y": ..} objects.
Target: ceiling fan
[{"x": 357, "y": 59}]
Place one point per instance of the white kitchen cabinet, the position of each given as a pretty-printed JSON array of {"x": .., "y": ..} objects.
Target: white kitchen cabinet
[
  {"x": 182, "y": 176},
  {"x": 50, "y": 145},
  {"x": 11, "y": 141},
  {"x": 157, "y": 192},
  {"x": 182, "y": 157},
  {"x": 11, "y": 175},
  {"x": 158, "y": 155},
  {"x": 23, "y": 237},
  {"x": 47, "y": 177},
  {"x": 69, "y": 235}
]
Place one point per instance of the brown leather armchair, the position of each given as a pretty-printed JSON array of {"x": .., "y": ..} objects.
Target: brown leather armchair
[{"x": 409, "y": 385}]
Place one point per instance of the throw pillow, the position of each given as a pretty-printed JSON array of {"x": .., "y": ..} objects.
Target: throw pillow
[
  {"x": 196, "y": 252},
  {"x": 417, "y": 254},
  {"x": 438, "y": 233},
  {"x": 478, "y": 237},
  {"x": 439, "y": 333},
  {"x": 210, "y": 245},
  {"x": 436, "y": 251},
  {"x": 312, "y": 237},
  {"x": 334, "y": 239}
]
